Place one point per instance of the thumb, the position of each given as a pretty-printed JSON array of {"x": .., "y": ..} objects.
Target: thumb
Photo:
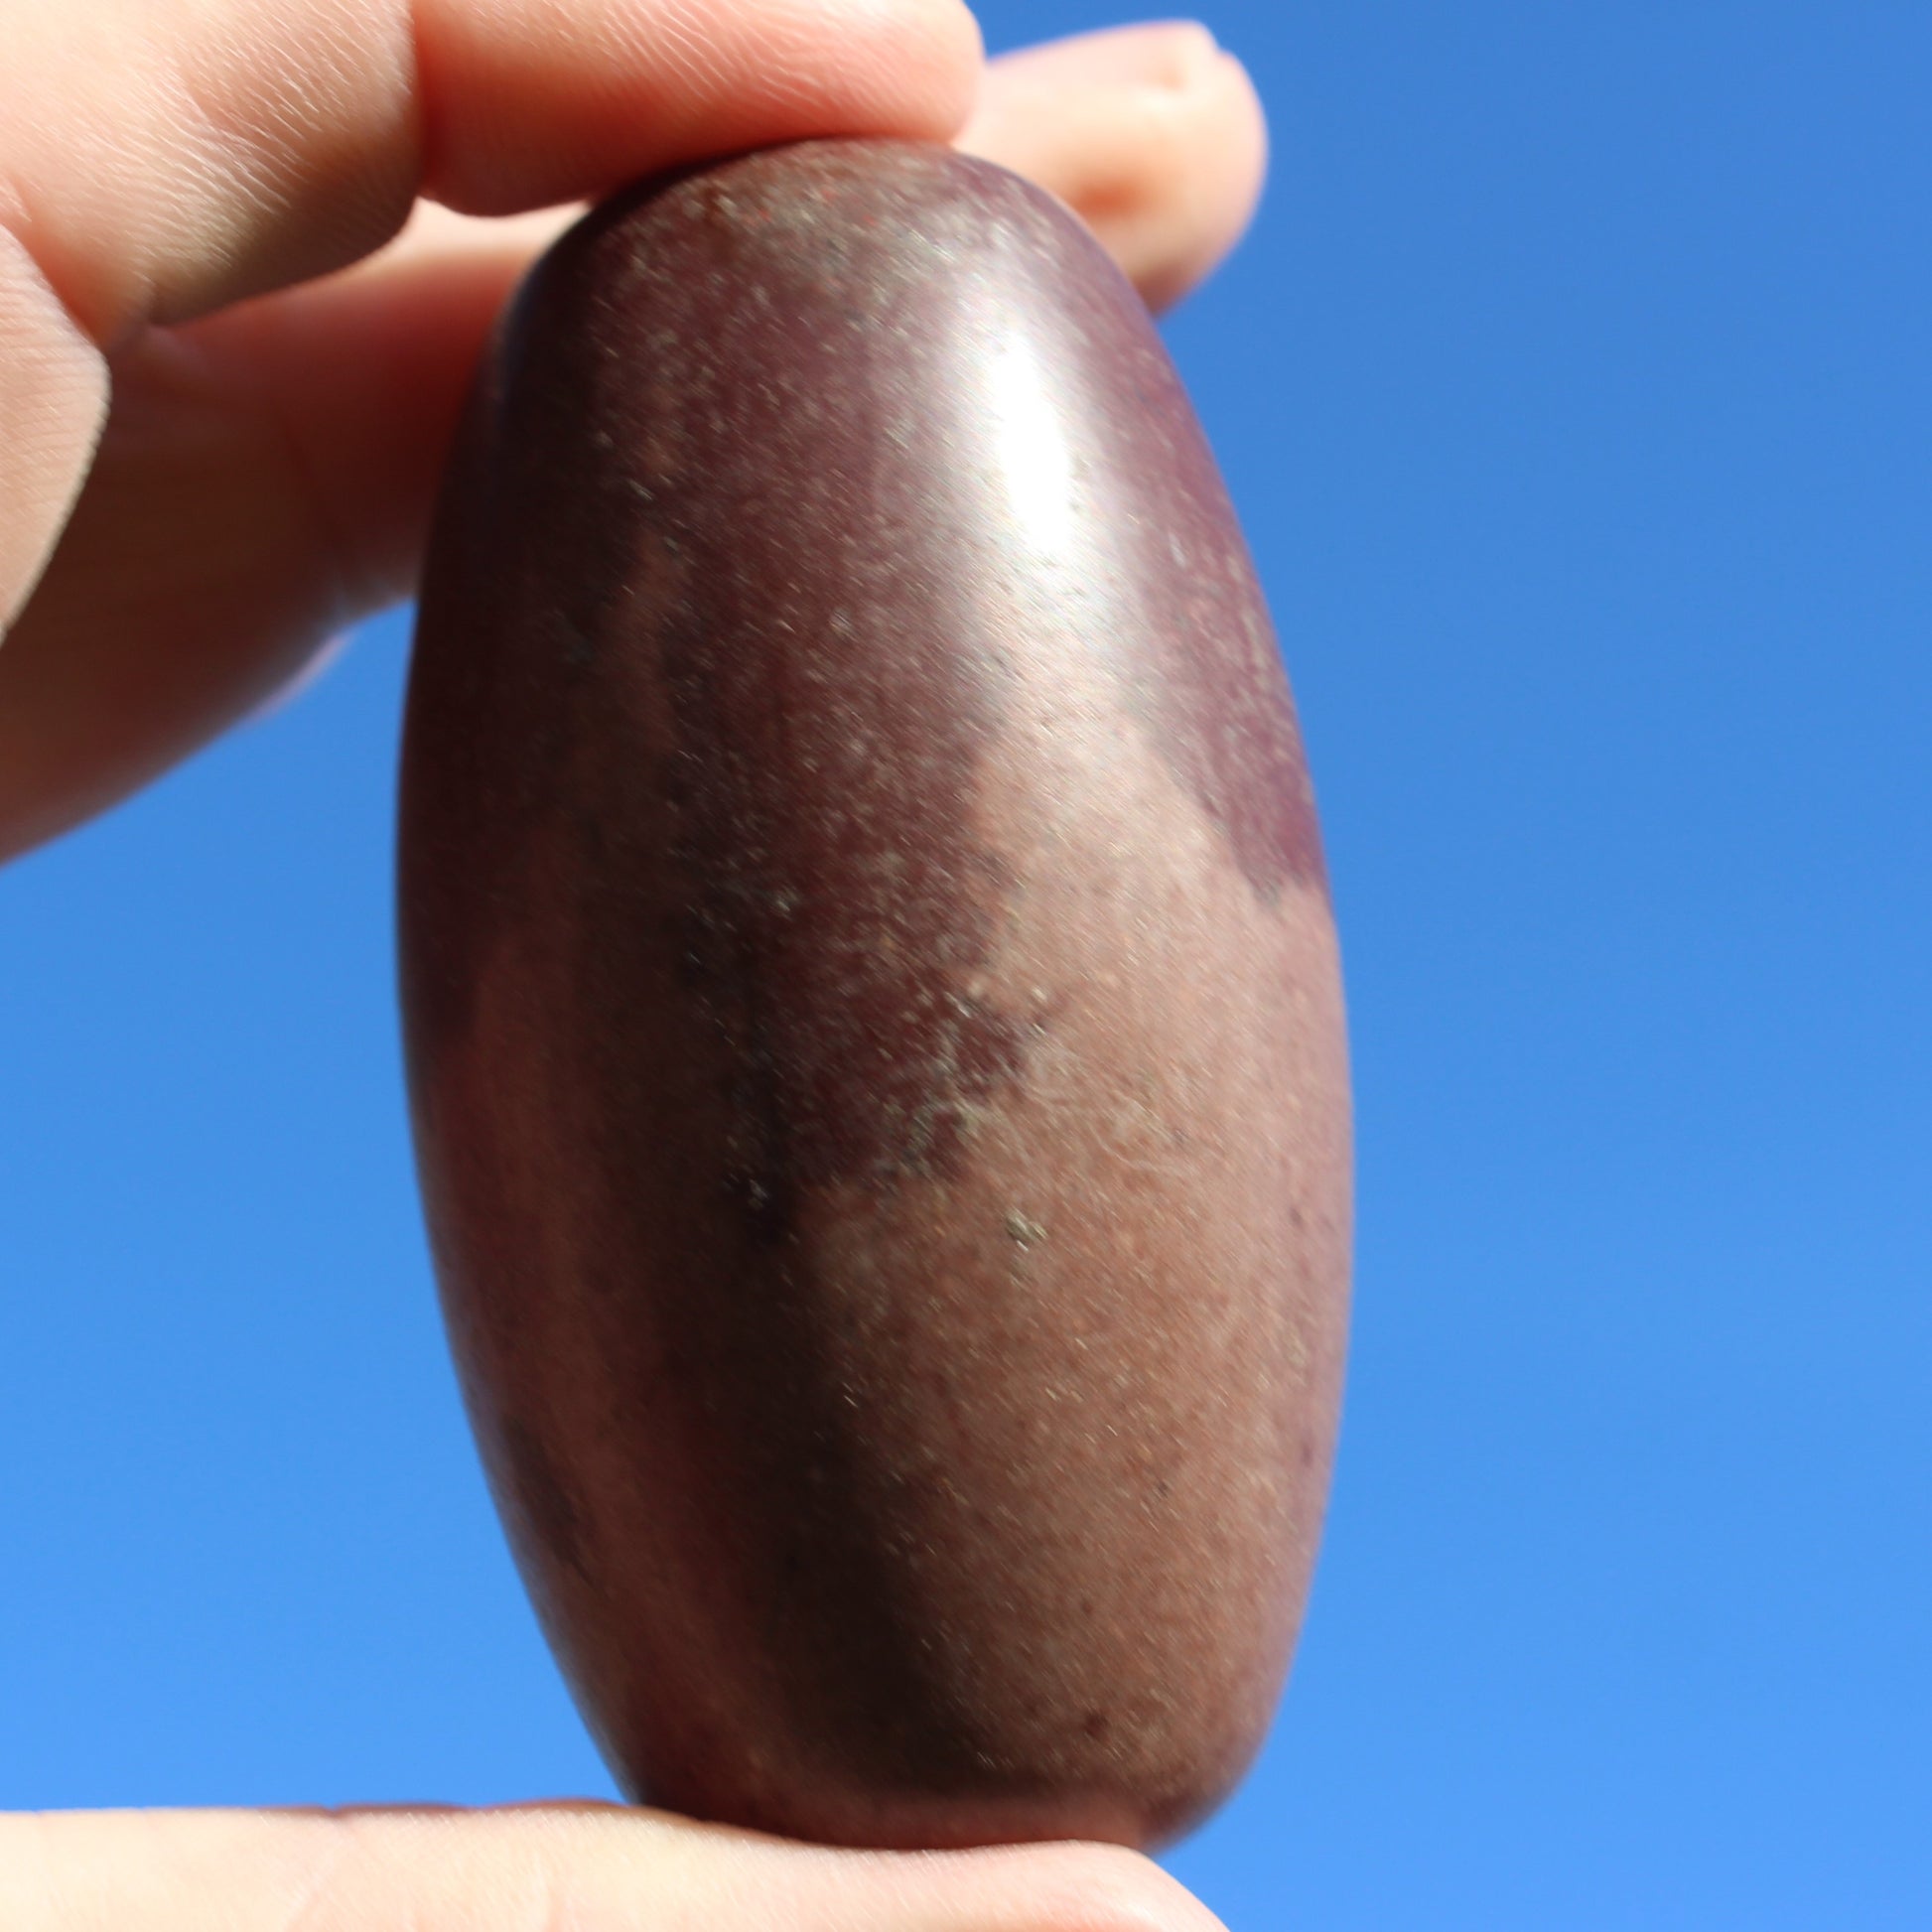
[{"x": 541, "y": 1868}]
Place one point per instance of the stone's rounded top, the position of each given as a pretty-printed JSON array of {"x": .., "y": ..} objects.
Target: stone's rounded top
[
  {"x": 826, "y": 202},
  {"x": 874, "y": 282}
]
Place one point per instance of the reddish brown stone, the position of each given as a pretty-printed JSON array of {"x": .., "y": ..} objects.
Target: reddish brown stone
[{"x": 872, "y": 1015}]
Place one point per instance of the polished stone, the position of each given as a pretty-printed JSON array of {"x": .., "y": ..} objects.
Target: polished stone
[{"x": 872, "y": 1013}]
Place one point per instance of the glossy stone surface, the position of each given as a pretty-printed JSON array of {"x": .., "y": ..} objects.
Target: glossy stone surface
[{"x": 872, "y": 1015}]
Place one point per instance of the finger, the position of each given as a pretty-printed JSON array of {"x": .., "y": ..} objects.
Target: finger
[
  {"x": 264, "y": 479},
  {"x": 547, "y": 1865},
  {"x": 166, "y": 157},
  {"x": 1153, "y": 133},
  {"x": 268, "y": 472},
  {"x": 160, "y": 158}
]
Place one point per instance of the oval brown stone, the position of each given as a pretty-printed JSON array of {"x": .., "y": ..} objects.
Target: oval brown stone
[{"x": 872, "y": 1015}]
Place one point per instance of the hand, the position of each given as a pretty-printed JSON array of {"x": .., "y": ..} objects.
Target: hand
[
  {"x": 544, "y": 1869},
  {"x": 242, "y": 287},
  {"x": 201, "y": 323}
]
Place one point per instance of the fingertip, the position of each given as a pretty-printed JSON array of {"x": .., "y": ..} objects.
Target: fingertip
[
  {"x": 1153, "y": 134},
  {"x": 931, "y": 52},
  {"x": 1193, "y": 175},
  {"x": 519, "y": 114},
  {"x": 1072, "y": 1888},
  {"x": 1231, "y": 139}
]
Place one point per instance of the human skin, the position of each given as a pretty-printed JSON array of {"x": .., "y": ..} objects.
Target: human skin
[
  {"x": 250, "y": 251},
  {"x": 263, "y": 474}
]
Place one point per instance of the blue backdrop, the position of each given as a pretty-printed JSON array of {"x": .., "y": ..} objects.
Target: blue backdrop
[{"x": 1576, "y": 387}]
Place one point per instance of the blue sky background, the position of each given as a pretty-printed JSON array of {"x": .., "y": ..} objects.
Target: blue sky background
[{"x": 1577, "y": 390}]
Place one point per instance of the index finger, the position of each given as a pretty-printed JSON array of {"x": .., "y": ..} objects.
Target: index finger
[
  {"x": 159, "y": 157},
  {"x": 162, "y": 158}
]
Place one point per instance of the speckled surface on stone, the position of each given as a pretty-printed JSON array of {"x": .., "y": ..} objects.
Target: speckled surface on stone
[{"x": 872, "y": 1015}]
